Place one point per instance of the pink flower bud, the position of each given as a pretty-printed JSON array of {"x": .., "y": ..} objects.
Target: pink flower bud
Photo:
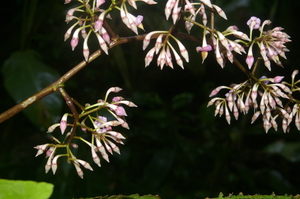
[
  {"x": 95, "y": 157},
  {"x": 78, "y": 170},
  {"x": 74, "y": 40},
  {"x": 52, "y": 128},
  {"x": 189, "y": 7},
  {"x": 54, "y": 164},
  {"x": 267, "y": 125},
  {"x": 105, "y": 35},
  {"x": 49, "y": 152},
  {"x": 84, "y": 164},
  {"x": 295, "y": 72},
  {"x": 169, "y": 6},
  {"x": 99, "y": 3},
  {"x": 250, "y": 58},
  {"x": 183, "y": 51},
  {"x": 220, "y": 11},
  {"x": 102, "y": 43},
  {"x": 117, "y": 99},
  {"x": 69, "y": 15},
  {"x": 98, "y": 25},
  {"x": 63, "y": 123},
  {"x": 278, "y": 79},
  {"x": 149, "y": 56},
  {"x": 150, "y": 2},
  {"x": 86, "y": 51},
  {"x": 120, "y": 111},
  {"x": 207, "y": 2}
]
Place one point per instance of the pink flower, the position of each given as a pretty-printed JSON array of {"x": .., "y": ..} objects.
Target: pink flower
[
  {"x": 204, "y": 51},
  {"x": 254, "y": 23},
  {"x": 204, "y": 48},
  {"x": 139, "y": 20}
]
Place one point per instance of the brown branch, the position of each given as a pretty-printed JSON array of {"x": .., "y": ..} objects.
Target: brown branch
[
  {"x": 46, "y": 91},
  {"x": 71, "y": 105}
]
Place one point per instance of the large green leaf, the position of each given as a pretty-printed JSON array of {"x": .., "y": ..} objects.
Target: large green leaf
[
  {"x": 24, "y": 75},
  {"x": 17, "y": 189}
]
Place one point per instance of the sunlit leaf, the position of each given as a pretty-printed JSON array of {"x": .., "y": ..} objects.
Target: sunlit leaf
[{"x": 16, "y": 189}]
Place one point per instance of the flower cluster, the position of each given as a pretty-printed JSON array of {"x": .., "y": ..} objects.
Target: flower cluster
[
  {"x": 266, "y": 97},
  {"x": 91, "y": 19},
  {"x": 194, "y": 8},
  {"x": 163, "y": 47},
  {"x": 271, "y": 43},
  {"x": 131, "y": 21},
  {"x": 103, "y": 137},
  {"x": 222, "y": 45}
]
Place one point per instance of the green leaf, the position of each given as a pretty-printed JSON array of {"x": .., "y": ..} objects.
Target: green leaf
[
  {"x": 16, "y": 189},
  {"x": 133, "y": 196},
  {"x": 24, "y": 75},
  {"x": 256, "y": 196}
]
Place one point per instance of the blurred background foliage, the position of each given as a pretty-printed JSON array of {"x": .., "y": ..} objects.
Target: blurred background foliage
[{"x": 176, "y": 147}]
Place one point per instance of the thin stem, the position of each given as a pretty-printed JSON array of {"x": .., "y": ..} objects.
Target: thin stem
[
  {"x": 212, "y": 20},
  {"x": 244, "y": 70},
  {"x": 200, "y": 25},
  {"x": 71, "y": 105}
]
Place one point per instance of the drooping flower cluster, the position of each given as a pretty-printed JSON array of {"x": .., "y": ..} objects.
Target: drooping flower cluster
[
  {"x": 164, "y": 49},
  {"x": 90, "y": 18},
  {"x": 271, "y": 43},
  {"x": 270, "y": 98},
  {"x": 103, "y": 137}
]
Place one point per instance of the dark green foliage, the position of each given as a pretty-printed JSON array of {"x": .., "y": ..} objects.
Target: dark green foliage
[{"x": 24, "y": 75}]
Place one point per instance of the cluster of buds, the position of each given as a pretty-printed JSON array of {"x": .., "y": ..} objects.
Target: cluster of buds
[
  {"x": 222, "y": 45},
  {"x": 91, "y": 19},
  {"x": 162, "y": 47},
  {"x": 266, "y": 97},
  {"x": 194, "y": 8},
  {"x": 130, "y": 20},
  {"x": 199, "y": 9},
  {"x": 271, "y": 43},
  {"x": 103, "y": 137}
]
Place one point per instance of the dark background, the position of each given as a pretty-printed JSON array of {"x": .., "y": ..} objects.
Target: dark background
[{"x": 176, "y": 147}]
